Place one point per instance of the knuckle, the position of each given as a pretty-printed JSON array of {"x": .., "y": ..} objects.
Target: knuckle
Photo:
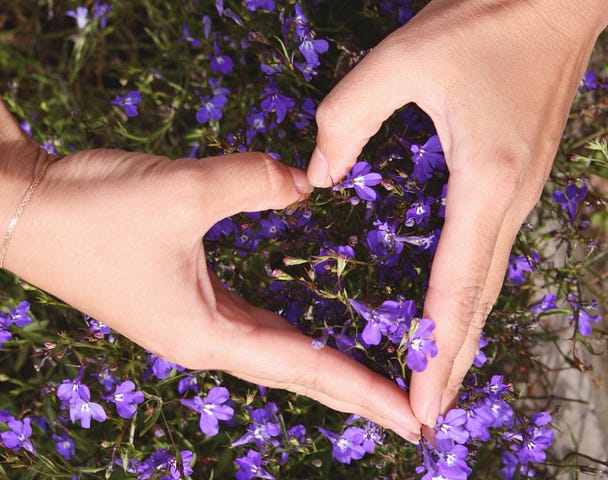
[{"x": 273, "y": 172}]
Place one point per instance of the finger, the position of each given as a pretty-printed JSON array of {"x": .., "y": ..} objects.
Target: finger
[
  {"x": 458, "y": 275},
  {"x": 494, "y": 281},
  {"x": 355, "y": 109},
  {"x": 249, "y": 182},
  {"x": 285, "y": 358}
]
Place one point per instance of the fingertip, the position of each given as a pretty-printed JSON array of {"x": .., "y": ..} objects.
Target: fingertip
[
  {"x": 318, "y": 169},
  {"x": 300, "y": 181}
]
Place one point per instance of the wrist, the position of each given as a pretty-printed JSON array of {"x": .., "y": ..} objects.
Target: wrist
[{"x": 20, "y": 160}]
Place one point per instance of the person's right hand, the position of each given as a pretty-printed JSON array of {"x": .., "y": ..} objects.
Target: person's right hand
[{"x": 498, "y": 78}]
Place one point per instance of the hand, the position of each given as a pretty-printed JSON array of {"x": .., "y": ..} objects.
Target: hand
[
  {"x": 118, "y": 236},
  {"x": 497, "y": 78}
]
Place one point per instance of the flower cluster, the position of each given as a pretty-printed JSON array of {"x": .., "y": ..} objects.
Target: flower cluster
[{"x": 483, "y": 409}]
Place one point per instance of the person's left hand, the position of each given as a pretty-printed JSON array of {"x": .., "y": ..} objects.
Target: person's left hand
[{"x": 118, "y": 235}]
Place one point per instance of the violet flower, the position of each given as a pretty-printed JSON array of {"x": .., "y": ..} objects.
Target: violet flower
[
  {"x": 64, "y": 445},
  {"x": 569, "y": 198},
  {"x": 547, "y": 303},
  {"x": 220, "y": 63},
  {"x": 419, "y": 344},
  {"x": 348, "y": 446},
  {"x": 582, "y": 316},
  {"x": 211, "y": 108},
  {"x": 18, "y": 316},
  {"x": 273, "y": 101},
  {"x": 126, "y": 399},
  {"x": 18, "y": 437},
  {"x": 81, "y": 408},
  {"x": 451, "y": 428},
  {"x": 250, "y": 466},
  {"x": 361, "y": 178},
  {"x": 128, "y": 102},
  {"x": 213, "y": 408},
  {"x": 519, "y": 264},
  {"x": 81, "y": 15},
  {"x": 253, "y": 5}
]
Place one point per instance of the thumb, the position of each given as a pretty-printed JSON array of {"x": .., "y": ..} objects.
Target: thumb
[
  {"x": 355, "y": 109},
  {"x": 247, "y": 182}
]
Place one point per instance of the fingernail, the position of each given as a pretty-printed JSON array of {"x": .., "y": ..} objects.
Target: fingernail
[
  {"x": 318, "y": 169},
  {"x": 300, "y": 181},
  {"x": 412, "y": 438},
  {"x": 433, "y": 411}
]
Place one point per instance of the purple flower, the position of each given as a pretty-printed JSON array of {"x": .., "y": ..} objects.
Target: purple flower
[
  {"x": 480, "y": 357},
  {"x": 187, "y": 37},
  {"x": 273, "y": 101},
  {"x": 547, "y": 303},
  {"x": 126, "y": 399},
  {"x": 479, "y": 420},
  {"x": 583, "y": 318},
  {"x": 372, "y": 333},
  {"x": 272, "y": 226},
  {"x": 589, "y": 81},
  {"x": 161, "y": 462},
  {"x": 81, "y": 408},
  {"x": 81, "y": 14},
  {"x": 212, "y": 409},
  {"x": 64, "y": 445},
  {"x": 128, "y": 102},
  {"x": 18, "y": 316},
  {"x": 519, "y": 264},
  {"x": 451, "y": 428},
  {"x": 211, "y": 108},
  {"x": 311, "y": 48},
  {"x": 534, "y": 440},
  {"x": 384, "y": 243},
  {"x": 399, "y": 9},
  {"x": 569, "y": 198},
  {"x": 307, "y": 112},
  {"x": 220, "y": 63},
  {"x": 361, "y": 178},
  {"x": 101, "y": 12},
  {"x": 250, "y": 466},
  {"x": 161, "y": 368},
  {"x": 69, "y": 390},
  {"x": 106, "y": 378},
  {"x": 98, "y": 329},
  {"x": 495, "y": 388},
  {"x": 18, "y": 437},
  {"x": 188, "y": 382},
  {"x": 428, "y": 159},
  {"x": 452, "y": 463},
  {"x": 419, "y": 344},
  {"x": 5, "y": 335},
  {"x": 263, "y": 428},
  {"x": 348, "y": 446},
  {"x": 510, "y": 468},
  {"x": 418, "y": 213},
  {"x": 253, "y": 5}
]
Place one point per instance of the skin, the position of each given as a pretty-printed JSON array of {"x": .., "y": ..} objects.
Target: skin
[
  {"x": 118, "y": 235},
  {"x": 498, "y": 78}
]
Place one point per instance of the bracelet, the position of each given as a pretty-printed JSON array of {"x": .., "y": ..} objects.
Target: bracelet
[{"x": 24, "y": 201}]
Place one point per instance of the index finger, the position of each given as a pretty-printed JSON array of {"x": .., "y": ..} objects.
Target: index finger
[
  {"x": 285, "y": 358},
  {"x": 355, "y": 109},
  {"x": 475, "y": 212}
]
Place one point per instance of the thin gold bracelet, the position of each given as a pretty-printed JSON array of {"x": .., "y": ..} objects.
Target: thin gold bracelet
[{"x": 24, "y": 201}]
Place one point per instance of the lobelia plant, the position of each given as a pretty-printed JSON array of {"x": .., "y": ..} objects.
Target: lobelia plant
[{"x": 349, "y": 266}]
